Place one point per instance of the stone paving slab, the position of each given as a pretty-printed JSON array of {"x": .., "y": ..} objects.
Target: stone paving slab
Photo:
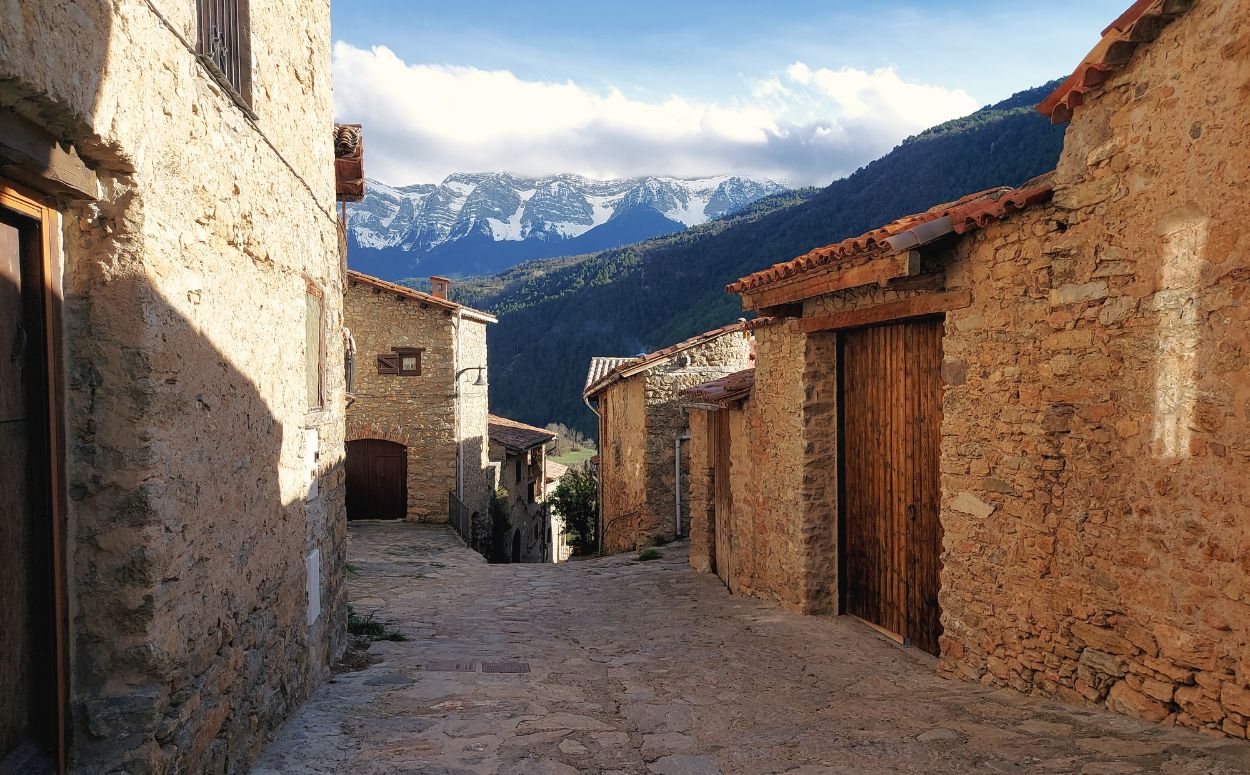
[{"x": 647, "y": 667}]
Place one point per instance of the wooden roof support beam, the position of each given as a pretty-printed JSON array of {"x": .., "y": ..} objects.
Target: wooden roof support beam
[
  {"x": 911, "y": 307},
  {"x": 879, "y": 270}
]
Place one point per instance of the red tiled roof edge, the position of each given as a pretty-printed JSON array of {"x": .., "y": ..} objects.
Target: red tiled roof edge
[
  {"x": 659, "y": 355},
  {"x": 516, "y": 434},
  {"x": 403, "y": 290},
  {"x": 728, "y": 388},
  {"x": 964, "y": 215},
  {"x": 1139, "y": 25}
]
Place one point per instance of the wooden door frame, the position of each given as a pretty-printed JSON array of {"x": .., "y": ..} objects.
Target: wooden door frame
[
  {"x": 916, "y": 313},
  {"x": 30, "y": 205}
]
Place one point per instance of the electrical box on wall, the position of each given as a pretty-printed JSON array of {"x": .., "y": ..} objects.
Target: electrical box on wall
[{"x": 314, "y": 585}]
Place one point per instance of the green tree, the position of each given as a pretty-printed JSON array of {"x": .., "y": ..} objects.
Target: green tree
[{"x": 576, "y": 500}]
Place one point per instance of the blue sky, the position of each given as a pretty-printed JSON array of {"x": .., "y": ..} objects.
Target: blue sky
[{"x": 683, "y": 87}]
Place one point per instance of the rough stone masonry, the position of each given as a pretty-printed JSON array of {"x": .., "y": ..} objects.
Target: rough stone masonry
[
  {"x": 1096, "y": 410},
  {"x": 202, "y": 473}
]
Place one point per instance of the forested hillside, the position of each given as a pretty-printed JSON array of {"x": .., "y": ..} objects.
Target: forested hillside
[{"x": 555, "y": 315}]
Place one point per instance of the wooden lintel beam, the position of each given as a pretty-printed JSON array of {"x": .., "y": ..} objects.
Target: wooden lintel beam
[
  {"x": 879, "y": 271},
  {"x": 30, "y": 153},
  {"x": 912, "y": 306}
]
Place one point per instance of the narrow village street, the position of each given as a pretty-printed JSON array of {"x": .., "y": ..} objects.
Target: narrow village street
[{"x": 648, "y": 667}]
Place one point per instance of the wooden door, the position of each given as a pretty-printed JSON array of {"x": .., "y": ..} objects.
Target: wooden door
[
  {"x": 28, "y": 699},
  {"x": 890, "y": 399},
  {"x": 377, "y": 474},
  {"x": 722, "y": 499}
]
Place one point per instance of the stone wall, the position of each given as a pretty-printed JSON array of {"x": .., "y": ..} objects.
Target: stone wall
[
  {"x": 645, "y": 417},
  {"x": 478, "y": 477},
  {"x": 1095, "y": 411},
  {"x": 622, "y": 463},
  {"x": 701, "y": 497},
  {"x": 420, "y": 411},
  {"x": 1095, "y": 460},
  {"x": 776, "y": 534},
  {"x": 666, "y": 421},
  {"x": 188, "y": 425}
]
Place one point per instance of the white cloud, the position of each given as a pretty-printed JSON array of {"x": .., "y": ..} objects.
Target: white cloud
[{"x": 805, "y": 125}]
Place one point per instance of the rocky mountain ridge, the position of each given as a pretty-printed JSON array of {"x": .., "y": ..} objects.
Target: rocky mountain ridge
[{"x": 475, "y": 222}]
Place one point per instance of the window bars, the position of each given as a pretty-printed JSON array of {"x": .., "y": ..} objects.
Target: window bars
[{"x": 223, "y": 43}]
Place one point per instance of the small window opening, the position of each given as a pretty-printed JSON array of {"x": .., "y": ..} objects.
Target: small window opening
[
  {"x": 224, "y": 45},
  {"x": 401, "y": 361}
]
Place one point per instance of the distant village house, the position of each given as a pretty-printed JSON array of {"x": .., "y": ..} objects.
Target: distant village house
[
  {"x": 416, "y": 417},
  {"x": 643, "y": 460},
  {"x": 519, "y": 451},
  {"x": 1012, "y": 431}
]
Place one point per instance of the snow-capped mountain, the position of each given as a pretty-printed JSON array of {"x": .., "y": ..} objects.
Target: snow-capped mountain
[{"x": 486, "y": 222}]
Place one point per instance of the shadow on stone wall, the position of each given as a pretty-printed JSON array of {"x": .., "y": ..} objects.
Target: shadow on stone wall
[
  {"x": 186, "y": 550},
  {"x": 188, "y": 556}
]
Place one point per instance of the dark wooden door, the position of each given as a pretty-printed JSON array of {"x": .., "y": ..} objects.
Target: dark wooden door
[
  {"x": 377, "y": 474},
  {"x": 27, "y": 585},
  {"x": 890, "y": 400},
  {"x": 722, "y": 500}
]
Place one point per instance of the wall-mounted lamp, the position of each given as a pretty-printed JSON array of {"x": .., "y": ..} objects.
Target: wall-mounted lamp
[{"x": 481, "y": 375}]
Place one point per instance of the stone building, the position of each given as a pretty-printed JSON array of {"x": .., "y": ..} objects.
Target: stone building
[
  {"x": 642, "y": 430},
  {"x": 1013, "y": 430},
  {"x": 520, "y": 456},
  {"x": 417, "y": 407},
  {"x": 171, "y": 516},
  {"x": 561, "y": 549}
]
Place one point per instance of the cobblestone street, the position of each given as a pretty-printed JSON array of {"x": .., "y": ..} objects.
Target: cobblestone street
[{"x": 648, "y": 667}]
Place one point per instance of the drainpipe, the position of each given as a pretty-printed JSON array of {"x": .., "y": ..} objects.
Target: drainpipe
[{"x": 677, "y": 440}]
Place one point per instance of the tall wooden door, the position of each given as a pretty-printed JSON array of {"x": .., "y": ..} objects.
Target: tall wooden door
[
  {"x": 890, "y": 399},
  {"x": 722, "y": 499},
  {"x": 377, "y": 479},
  {"x": 28, "y": 697}
]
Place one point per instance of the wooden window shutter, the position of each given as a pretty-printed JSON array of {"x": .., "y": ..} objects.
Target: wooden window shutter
[{"x": 388, "y": 363}]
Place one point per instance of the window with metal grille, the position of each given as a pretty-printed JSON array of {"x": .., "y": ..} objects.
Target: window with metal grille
[{"x": 224, "y": 45}]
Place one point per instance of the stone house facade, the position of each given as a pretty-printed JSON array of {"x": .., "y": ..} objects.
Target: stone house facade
[
  {"x": 519, "y": 453},
  {"x": 1085, "y": 458},
  {"x": 172, "y": 526},
  {"x": 561, "y": 549},
  {"x": 418, "y": 405},
  {"x": 643, "y": 429}
]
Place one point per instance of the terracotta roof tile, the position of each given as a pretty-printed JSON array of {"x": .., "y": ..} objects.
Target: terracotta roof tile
[
  {"x": 553, "y": 471},
  {"x": 721, "y": 391},
  {"x": 601, "y": 366},
  {"x": 402, "y": 290},
  {"x": 964, "y": 215},
  {"x": 1140, "y": 24},
  {"x": 516, "y": 435},
  {"x": 650, "y": 359},
  {"x": 349, "y": 162}
]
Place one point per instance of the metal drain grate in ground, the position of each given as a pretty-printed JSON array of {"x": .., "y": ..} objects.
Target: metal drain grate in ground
[
  {"x": 451, "y": 666},
  {"x": 505, "y": 667}
]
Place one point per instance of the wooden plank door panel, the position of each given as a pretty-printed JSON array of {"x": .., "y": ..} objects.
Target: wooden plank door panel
[
  {"x": 29, "y": 729},
  {"x": 377, "y": 473},
  {"x": 389, "y": 468},
  {"x": 890, "y": 534}
]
